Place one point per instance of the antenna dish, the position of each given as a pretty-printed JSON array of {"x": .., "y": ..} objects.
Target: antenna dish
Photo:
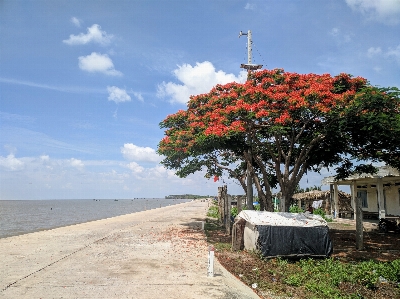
[{"x": 241, "y": 33}]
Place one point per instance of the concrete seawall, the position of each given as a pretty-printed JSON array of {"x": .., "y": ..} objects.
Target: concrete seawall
[{"x": 160, "y": 253}]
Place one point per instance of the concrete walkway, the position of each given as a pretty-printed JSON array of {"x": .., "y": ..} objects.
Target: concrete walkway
[{"x": 160, "y": 253}]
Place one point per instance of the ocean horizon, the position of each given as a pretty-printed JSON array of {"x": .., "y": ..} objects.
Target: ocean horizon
[{"x": 19, "y": 217}]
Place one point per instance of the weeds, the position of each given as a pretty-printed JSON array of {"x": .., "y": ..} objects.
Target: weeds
[
  {"x": 295, "y": 209},
  {"x": 213, "y": 212},
  {"x": 321, "y": 212}
]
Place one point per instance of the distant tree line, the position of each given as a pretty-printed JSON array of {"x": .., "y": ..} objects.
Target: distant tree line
[{"x": 185, "y": 196}]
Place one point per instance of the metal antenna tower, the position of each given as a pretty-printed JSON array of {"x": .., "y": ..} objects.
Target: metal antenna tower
[{"x": 249, "y": 66}]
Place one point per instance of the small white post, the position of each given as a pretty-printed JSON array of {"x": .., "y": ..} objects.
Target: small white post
[{"x": 210, "y": 270}]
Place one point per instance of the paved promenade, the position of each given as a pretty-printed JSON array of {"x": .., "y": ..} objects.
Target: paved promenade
[{"x": 160, "y": 253}]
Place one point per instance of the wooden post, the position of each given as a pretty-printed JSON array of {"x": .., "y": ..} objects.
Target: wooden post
[
  {"x": 237, "y": 235},
  {"x": 353, "y": 191},
  {"x": 336, "y": 199},
  {"x": 227, "y": 201},
  {"x": 381, "y": 205},
  {"x": 221, "y": 205},
  {"x": 329, "y": 206},
  {"x": 359, "y": 225}
]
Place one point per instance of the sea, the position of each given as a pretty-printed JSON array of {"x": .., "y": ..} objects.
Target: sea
[{"x": 19, "y": 217}]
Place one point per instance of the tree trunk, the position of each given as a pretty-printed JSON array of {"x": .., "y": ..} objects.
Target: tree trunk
[
  {"x": 266, "y": 195},
  {"x": 262, "y": 199},
  {"x": 287, "y": 194}
]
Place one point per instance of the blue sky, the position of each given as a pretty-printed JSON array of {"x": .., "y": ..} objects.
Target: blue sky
[{"x": 84, "y": 84}]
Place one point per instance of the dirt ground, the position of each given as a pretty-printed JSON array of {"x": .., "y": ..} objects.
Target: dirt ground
[{"x": 377, "y": 246}]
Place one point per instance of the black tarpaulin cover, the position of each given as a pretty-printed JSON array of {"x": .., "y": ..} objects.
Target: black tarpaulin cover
[{"x": 294, "y": 241}]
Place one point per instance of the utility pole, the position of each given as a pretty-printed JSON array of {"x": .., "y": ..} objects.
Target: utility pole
[{"x": 249, "y": 67}]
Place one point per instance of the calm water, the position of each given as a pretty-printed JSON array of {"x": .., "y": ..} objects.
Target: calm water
[{"x": 25, "y": 216}]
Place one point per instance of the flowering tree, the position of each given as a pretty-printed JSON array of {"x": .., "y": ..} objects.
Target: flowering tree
[
  {"x": 278, "y": 124},
  {"x": 188, "y": 150}
]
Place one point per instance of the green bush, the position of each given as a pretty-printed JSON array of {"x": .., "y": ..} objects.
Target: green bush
[
  {"x": 234, "y": 212},
  {"x": 295, "y": 209},
  {"x": 213, "y": 212},
  {"x": 321, "y": 212}
]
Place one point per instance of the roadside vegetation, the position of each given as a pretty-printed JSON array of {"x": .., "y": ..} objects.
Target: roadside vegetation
[{"x": 306, "y": 278}]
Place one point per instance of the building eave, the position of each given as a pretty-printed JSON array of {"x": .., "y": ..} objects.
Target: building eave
[{"x": 386, "y": 173}]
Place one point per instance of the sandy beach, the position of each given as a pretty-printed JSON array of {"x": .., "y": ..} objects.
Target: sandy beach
[{"x": 159, "y": 253}]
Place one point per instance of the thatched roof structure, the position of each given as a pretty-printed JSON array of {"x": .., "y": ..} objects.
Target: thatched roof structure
[
  {"x": 344, "y": 198},
  {"x": 318, "y": 195}
]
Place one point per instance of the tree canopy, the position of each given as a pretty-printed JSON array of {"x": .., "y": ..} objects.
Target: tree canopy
[
  {"x": 280, "y": 125},
  {"x": 372, "y": 125}
]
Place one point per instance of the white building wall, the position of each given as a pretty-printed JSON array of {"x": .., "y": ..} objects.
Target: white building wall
[
  {"x": 392, "y": 195},
  {"x": 392, "y": 200}
]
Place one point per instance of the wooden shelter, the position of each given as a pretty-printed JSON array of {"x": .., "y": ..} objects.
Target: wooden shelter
[
  {"x": 307, "y": 199},
  {"x": 371, "y": 194},
  {"x": 379, "y": 193}
]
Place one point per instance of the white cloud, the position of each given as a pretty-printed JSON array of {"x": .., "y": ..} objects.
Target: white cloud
[
  {"x": 373, "y": 51},
  {"x": 11, "y": 163},
  {"x": 196, "y": 80},
  {"x": 45, "y": 158},
  {"x": 394, "y": 52},
  {"x": 76, "y": 22},
  {"x": 136, "y": 153},
  {"x": 335, "y": 31},
  {"x": 100, "y": 63},
  {"x": 377, "y": 69},
  {"x": 76, "y": 163},
  {"x": 339, "y": 36},
  {"x": 161, "y": 171},
  {"x": 386, "y": 11},
  {"x": 136, "y": 168},
  {"x": 72, "y": 89},
  {"x": 250, "y": 6},
  {"x": 139, "y": 96},
  {"x": 117, "y": 95},
  {"x": 94, "y": 34}
]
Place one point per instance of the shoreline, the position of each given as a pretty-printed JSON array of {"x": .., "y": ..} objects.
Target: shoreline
[
  {"x": 50, "y": 223},
  {"x": 130, "y": 256}
]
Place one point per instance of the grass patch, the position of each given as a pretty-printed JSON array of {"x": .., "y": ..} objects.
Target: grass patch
[
  {"x": 215, "y": 232},
  {"x": 216, "y": 235},
  {"x": 213, "y": 212},
  {"x": 319, "y": 278}
]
